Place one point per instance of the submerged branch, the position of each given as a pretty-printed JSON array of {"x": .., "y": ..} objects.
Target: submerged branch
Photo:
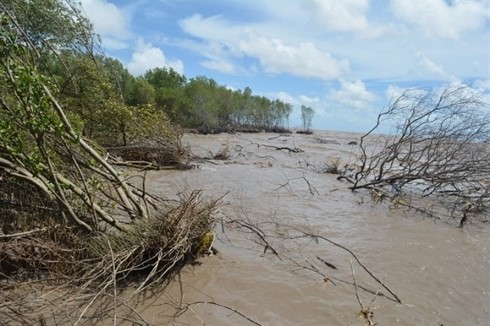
[{"x": 316, "y": 236}]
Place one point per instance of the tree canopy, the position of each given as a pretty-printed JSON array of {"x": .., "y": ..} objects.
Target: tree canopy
[{"x": 307, "y": 114}]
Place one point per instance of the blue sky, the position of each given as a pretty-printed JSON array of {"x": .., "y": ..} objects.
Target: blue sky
[{"x": 346, "y": 59}]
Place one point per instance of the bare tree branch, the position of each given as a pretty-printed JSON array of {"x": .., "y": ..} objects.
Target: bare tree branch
[{"x": 437, "y": 146}]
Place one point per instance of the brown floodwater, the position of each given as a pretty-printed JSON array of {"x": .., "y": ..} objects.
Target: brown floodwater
[{"x": 438, "y": 271}]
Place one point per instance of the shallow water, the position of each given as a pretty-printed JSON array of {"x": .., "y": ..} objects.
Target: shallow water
[{"x": 439, "y": 272}]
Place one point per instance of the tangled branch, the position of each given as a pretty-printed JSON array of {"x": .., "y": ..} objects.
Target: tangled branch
[{"x": 437, "y": 147}]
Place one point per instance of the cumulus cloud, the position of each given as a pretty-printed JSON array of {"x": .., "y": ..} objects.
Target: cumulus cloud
[
  {"x": 109, "y": 21},
  {"x": 353, "y": 94},
  {"x": 439, "y": 18},
  {"x": 302, "y": 59},
  {"x": 146, "y": 56}
]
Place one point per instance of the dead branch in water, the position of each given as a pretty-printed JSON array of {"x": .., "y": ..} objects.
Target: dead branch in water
[
  {"x": 279, "y": 148},
  {"x": 213, "y": 303},
  {"x": 284, "y": 236},
  {"x": 311, "y": 188},
  {"x": 316, "y": 236},
  {"x": 179, "y": 307},
  {"x": 366, "y": 314},
  {"x": 326, "y": 262},
  {"x": 438, "y": 148},
  {"x": 333, "y": 279},
  {"x": 258, "y": 232}
]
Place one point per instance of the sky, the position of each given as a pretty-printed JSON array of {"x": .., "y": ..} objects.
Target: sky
[{"x": 346, "y": 59}]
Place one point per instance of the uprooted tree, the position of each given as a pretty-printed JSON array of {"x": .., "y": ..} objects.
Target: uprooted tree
[
  {"x": 437, "y": 147},
  {"x": 66, "y": 214}
]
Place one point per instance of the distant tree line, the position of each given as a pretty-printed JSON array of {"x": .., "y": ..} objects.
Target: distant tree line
[{"x": 200, "y": 102}]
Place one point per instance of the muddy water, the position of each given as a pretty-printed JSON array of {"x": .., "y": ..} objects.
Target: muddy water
[{"x": 439, "y": 272}]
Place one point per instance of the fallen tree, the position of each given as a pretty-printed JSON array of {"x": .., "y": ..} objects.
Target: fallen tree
[{"x": 437, "y": 147}]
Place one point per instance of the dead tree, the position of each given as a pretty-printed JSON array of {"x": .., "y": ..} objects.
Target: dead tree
[{"x": 436, "y": 145}]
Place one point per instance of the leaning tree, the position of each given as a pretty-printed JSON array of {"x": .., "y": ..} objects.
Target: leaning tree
[
  {"x": 430, "y": 144},
  {"x": 68, "y": 217}
]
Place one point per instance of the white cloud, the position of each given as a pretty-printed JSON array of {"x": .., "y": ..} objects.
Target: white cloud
[
  {"x": 393, "y": 92},
  {"x": 213, "y": 28},
  {"x": 296, "y": 101},
  {"x": 286, "y": 97},
  {"x": 304, "y": 59},
  {"x": 315, "y": 103},
  {"x": 431, "y": 67},
  {"x": 439, "y": 18},
  {"x": 114, "y": 44},
  {"x": 353, "y": 94},
  {"x": 147, "y": 57},
  {"x": 344, "y": 16},
  {"x": 307, "y": 100},
  {"x": 109, "y": 21},
  {"x": 220, "y": 65},
  {"x": 223, "y": 40},
  {"x": 483, "y": 84}
]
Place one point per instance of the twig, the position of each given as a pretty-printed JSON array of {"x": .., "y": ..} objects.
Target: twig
[
  {"x": 311, "y": 188},
  {"x": 326, "y": 262},
  {"x": 353, "y": 255},
  {"x": 291, "y": 150},
  {"x": 225, "y": 307},
  {"x": 366, "y": 313},
  {"x": 21, "y": 234},
  {"x": 355, "y": 284},
  {"x": 259, "y": 233},
  {"x": 279, "y": 148}
]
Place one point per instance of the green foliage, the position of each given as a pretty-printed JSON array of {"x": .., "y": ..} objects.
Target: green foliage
[
  {"x": 307, "y": 114},
  {"x": 202, "y": 103},
  {"x": 140, "y": 92},
  {"x": 165, "y": 78},
  {"x": 51, "y": 24}
]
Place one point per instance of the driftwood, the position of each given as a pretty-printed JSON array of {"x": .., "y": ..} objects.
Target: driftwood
[{"x": 280, "y": 148}]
